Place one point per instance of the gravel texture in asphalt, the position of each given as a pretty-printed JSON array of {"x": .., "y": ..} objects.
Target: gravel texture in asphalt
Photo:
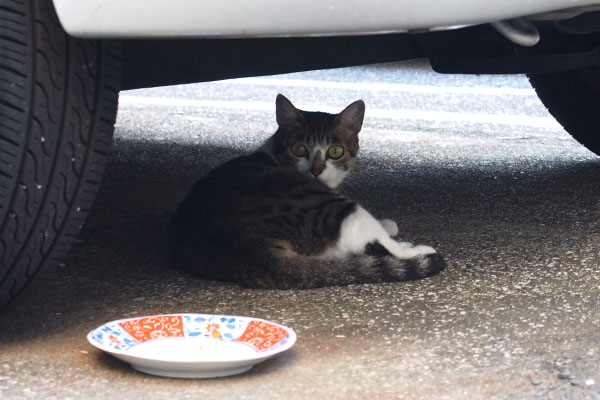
[{"x": 484, "y": 175}]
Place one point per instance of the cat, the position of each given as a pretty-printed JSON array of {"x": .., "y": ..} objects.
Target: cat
[{"x": 274, "y": 219}]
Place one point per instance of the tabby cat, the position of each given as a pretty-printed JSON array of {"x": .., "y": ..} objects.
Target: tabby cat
[{"x": 273, "y": 219}]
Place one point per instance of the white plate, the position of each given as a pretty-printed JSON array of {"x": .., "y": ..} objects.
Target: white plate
[{"x": 192, "y": 345}]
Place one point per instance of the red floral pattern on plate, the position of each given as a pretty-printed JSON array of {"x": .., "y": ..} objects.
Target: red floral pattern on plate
[
  {"x": 262, "y": 335},
  {"x": 144, "y": 329}
]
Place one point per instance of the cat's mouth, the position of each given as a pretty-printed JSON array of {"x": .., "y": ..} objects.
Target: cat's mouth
[
  {"x": 329, "y": 181},
  {"x": 318, "y": 176}
]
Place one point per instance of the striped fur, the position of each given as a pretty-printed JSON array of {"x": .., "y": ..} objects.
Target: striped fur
[{"x": 273, "y": 219}]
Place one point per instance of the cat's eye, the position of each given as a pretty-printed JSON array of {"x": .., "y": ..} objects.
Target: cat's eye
[
  {"x": 299, "y": 150},
  {"x": 335, "y": 152}
]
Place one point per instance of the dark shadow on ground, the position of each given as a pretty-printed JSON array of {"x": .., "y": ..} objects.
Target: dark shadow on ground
[{"x": 120, "y": 265}]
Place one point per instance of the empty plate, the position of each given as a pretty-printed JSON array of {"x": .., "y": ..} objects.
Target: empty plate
[{"x": 192, "y": 345}]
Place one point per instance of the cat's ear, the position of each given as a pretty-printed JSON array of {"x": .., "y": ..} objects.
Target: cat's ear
[
  {"x": 352, "y": 117},
  {"x": 286, "y": 113}
]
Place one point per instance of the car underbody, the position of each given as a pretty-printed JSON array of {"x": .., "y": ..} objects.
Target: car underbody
[{"x": 478, "y": 49}]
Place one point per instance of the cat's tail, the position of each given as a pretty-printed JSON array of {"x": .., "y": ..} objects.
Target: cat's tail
[{"x": 287, "y": 269}]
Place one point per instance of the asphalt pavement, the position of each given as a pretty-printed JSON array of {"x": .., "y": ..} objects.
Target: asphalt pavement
[{"x": 472, "y": 165}]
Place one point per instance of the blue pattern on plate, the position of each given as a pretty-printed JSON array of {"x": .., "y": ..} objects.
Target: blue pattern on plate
[
  {"x": 114, "y": 336},
  {"x": 214, "y": 326}
]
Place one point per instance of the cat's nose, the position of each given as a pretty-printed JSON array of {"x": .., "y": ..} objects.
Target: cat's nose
[
  {"x": 316, "y": 170},
  {"x": 318, "y": 165}
]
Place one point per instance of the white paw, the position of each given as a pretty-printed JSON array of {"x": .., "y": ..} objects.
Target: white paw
[
  {"x": 390, "y": 226},
  {"x": 424, "y": 250},
  {"x": 405, "y": 250}
]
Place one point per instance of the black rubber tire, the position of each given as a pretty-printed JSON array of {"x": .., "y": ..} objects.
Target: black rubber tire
[
  {"x": 58, "y": 102},
  {"x": 573, "y": 98}
]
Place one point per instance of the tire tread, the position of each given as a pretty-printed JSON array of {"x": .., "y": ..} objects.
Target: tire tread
[{"x": 54, "y": 146}]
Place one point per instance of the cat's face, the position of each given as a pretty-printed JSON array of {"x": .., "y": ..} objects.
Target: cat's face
[{"x": 321, "y": 145}]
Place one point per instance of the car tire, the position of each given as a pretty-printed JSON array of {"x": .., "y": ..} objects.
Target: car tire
[
  {"x": 58, "y": 102},
  {"x": 573, "y": 98}
]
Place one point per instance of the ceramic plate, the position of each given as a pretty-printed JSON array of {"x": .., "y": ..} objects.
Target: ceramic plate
[{"x": 192, "y": 345}]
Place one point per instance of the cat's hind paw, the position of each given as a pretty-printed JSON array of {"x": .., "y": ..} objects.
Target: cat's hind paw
[
  {"x": 390, "y": 227},
  {"x": 430, "y": 264},
  {"x": 418, "y": 267}
]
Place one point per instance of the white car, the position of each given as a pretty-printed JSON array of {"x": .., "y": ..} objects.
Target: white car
[{"x": 63, "y": 63}]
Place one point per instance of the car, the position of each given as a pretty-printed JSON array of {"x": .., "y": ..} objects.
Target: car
[{"x": 63, "y": 63}]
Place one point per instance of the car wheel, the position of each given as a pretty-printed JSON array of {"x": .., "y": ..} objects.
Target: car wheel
[
  {"x": 573, "y": 98},
  {"x": 58, "y": 102}
]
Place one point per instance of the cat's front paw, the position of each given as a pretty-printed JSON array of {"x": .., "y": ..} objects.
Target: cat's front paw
[{"x": 390, "y": 227}]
